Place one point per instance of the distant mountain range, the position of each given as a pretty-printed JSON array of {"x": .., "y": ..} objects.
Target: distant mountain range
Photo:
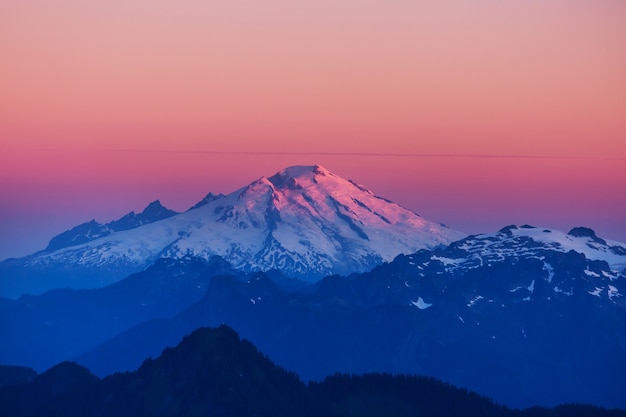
[
  {"x": 517, "y": 315},
  {"x": 43, "y": 330},
  {"x": 527, "y": 315},
  {"x": 93, "y": 230},
  {"x": 526, "y": 321},
  {"x": 212, "y": 372},
  {"x": 304, "y": 220}
]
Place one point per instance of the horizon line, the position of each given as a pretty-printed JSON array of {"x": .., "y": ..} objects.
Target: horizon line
[{"x": 369, "y": 154}]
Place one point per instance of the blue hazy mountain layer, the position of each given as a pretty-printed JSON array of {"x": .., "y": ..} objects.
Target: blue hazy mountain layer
[
  {"x": 508, "y": 316},
  {"x": 213, "y": 372},
  {"x": 544, "y": 328},
  {"x": 40, "y": 331}
]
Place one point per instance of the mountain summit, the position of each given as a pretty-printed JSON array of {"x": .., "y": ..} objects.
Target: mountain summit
[
  {"x": 304, "y": 220},
  {"x": 93, "y": 230}
]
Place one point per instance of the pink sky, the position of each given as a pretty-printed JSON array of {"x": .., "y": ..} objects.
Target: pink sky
[{"x": 107, "y": 105}]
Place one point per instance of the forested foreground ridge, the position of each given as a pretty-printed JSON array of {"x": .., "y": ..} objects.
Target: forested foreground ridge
[{"x": 212, "y": 372}]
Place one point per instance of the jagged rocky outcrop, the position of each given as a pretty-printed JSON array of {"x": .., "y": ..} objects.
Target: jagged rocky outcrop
[{"x": 93, "y": 230}]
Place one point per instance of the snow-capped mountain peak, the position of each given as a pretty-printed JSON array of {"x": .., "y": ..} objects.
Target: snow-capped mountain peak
[
  {"x": 530, "y": 262},
  {"x": 516, "y": 265},
  {"x": 580, "y": 239},
  {"x": 517, "y": 242},
  {"x": 304, "y": 220},
  {"x": 92, "y": 230},
  {"x": 314, "y": 220}
]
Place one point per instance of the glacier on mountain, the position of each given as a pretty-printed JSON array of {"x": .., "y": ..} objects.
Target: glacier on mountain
[{"x": 304, "y": 220}]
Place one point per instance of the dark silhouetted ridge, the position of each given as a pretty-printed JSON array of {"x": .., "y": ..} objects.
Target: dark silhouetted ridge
[{"x": 212, "y": 372}]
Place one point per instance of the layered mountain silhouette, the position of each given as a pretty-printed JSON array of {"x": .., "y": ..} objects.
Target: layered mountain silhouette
[
  {"x": 15, "y": 375},
  {"x": 41, "y": 331},
  {"x": 213, "y": 372},
  {"x": 527, "y": 316},
  {"x": 324, "y": 277},
  {"x": 304, "y": 220},
  {"x": 545, "y": 326}
]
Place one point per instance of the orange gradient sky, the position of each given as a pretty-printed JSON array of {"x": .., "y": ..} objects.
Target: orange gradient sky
[{"x": 476, "y": 114}]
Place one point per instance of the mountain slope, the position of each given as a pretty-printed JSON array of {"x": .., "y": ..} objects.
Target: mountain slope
[
  {"x": 212, "y": 372},
  {"x": 93, "y": 230},
  {"x": 15, "y": 375},
  {"x": 523, "y": 321},
  {"x": 61, "y": 324},
  {"x": 304, "y": 221}
]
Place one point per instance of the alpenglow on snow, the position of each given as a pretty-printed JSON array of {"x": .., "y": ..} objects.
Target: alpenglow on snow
[{"x": 304, "y": 221}]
